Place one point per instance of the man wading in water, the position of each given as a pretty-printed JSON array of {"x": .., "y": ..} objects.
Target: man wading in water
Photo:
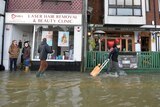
[
  {"x": 113, "y": 56},
  {"x": 43, "y": 51}
]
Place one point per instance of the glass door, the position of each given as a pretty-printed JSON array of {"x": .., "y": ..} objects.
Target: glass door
[
  {"x": 123, "y": 46},
  {"x": 126, "y": 44}
]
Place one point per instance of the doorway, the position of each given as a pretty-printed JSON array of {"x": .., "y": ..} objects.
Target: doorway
[{"x": 145, "y": 41}]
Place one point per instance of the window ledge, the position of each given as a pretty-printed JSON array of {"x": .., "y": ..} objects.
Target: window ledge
[{"x": 56, "y": 1}]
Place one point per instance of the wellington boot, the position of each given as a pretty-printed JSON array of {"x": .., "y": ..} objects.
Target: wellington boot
[
  {"x": 26, "y": 69},
  {"x": 42, "y": 74},
  {"x": 38, "y": 74}
]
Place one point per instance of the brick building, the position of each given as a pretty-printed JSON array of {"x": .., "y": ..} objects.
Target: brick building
[{"x": 135, "y": 23}]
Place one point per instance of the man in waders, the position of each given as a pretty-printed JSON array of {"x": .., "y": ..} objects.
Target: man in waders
[
  {"x": 43, "y": 51},
  {"x": 113, "y": 56}
]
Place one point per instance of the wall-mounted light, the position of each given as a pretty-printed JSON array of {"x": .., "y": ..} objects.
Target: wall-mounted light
[
  {"x": 153, "y": 36},
  {"x": 89, "y": 33}
]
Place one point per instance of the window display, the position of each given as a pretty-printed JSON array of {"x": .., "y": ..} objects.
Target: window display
[{"x": 59, "y": 38}]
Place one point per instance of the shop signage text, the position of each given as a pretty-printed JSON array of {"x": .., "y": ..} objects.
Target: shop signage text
[{"x": 44, "y": 18}]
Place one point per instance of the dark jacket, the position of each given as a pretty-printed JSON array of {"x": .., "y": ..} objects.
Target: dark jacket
[
  {"x": 43, "y": 50},
  {"x": 114, "y": 54},
  {"x": 26, "y": 52}
]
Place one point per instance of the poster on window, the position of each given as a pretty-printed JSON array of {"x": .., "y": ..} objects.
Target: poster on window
[
  {"x": 48, "y": 35},
  {"x": 63, "y": 39}
]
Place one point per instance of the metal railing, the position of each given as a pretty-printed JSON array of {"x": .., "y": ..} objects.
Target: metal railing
[
  {"x": 148, "y": 60},
  {"x": 145, "y": 60}
]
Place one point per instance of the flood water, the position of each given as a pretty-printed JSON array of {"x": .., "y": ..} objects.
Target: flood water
[{"x": 76, "y": 89}]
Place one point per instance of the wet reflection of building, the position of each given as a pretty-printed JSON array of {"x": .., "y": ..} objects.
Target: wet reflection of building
[
  {"x": 4, "y": 80},
  {"x": 68, "y": 94}
]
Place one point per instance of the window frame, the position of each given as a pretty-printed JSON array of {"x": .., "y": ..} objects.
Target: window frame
[
  {"x": 125, "y": 6},
  {"x": 59, "y": 49}
]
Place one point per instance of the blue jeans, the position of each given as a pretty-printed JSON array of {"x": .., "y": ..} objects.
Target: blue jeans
[
  {"x": 13, "y": 61},
  {"x": 27, "y": 62}
]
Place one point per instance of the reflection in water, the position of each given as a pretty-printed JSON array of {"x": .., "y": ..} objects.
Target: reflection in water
[
  {"x": 4, "y": 98},
  {"x": 76, "y": 89}
]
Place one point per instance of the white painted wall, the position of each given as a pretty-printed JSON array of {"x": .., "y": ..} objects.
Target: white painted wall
[
  {"x": 78, "y": 43},
  {"x": 136, "y": 36},
  {"x": 153, "y": 43},
  {"x": 7, "y": 42},
  {"x": 1, "y": 31},
  {"x": 131, "y": 20},
  {"x": 136, "y": 45},
  {"x": 15, "y": 32}
]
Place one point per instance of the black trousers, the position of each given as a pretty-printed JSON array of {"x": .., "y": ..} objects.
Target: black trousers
[
  {"x": 13, "y": 61},
  {"x": 113, "y": 67}
]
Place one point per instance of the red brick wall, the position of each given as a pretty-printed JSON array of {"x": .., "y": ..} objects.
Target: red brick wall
[
  {"x": 150, "y": 14},
  {"x": 98, "y": 11},
  {"x": 46, "y": 7}
]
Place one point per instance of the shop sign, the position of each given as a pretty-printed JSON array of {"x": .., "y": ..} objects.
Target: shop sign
[
  {"x": 44, "y": 18},
  {"x": 128, "y": 61}
]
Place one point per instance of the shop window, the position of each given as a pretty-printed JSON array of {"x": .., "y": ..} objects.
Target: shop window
[
  {"x": 129, "y": 45},
  {"x": 124, "y": 41},
  {"x": 112, "y": 2},
  {"x": 128, "y": 2},
  {"x": 126, "y": 45},
  {"x": 120, "y": 2},
  {"x": 59, "y": 38},
  {"x": 123, "y": 44},
  {"x": 102, "y": 44}
]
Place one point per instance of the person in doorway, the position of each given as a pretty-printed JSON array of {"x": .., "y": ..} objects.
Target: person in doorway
[
  {"x": 26, "y": 56},
  {"x": 13, "y": 55},
  {"x": 43, "y": 51},
  {"x": 113, "y": 56},
  {"x": 71, "y": 52},
  {"x": 20, "y": 44}
]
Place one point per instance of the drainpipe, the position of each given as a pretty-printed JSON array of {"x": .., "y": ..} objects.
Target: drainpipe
[
  {"x": 84, "y": 36},
  {"x": 155, "y": 22},
  {"x": 2, "y": 66}
]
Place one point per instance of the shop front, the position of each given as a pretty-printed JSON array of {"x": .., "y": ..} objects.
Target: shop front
[
  {"x": 131, "y": 39},
  {"x": 63, "y": 33},
  {"x": 136, "y": 47},
  {"x": 125, "y": 41}
]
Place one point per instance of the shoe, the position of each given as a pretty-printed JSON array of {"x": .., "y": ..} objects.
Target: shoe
[
  {"x": 38, "y": 74},
  {"x": 107, "y": 72},
  {"x": 42, "y": 74},
  {"x": 116, "y": 74},
  {"x": 26, "y": 69}
]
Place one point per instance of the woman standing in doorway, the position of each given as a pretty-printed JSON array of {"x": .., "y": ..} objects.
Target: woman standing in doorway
[
  {"x": 26, "y": 56},
  {"x": 13, "y": 55}
]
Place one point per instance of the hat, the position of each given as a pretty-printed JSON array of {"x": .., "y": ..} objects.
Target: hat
[{"x": 44, "y": 39}]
